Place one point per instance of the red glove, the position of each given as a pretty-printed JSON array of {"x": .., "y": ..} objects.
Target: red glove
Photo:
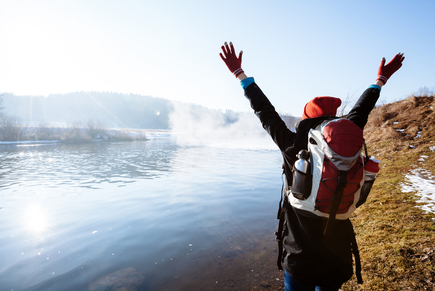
[
  {"x": 385, "y": 71},
  {"x": 233, "y": 62}
]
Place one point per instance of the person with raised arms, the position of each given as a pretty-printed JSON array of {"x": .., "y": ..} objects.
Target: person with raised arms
[{"x": 312, "y": 260}]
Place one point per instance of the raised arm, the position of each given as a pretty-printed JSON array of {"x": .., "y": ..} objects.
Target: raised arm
[
  {"x": 261, "y": 105},
  {"x": 365, "y": 104}
]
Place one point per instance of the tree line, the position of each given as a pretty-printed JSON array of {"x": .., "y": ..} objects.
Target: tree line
[{"x": 90, "y": 115}]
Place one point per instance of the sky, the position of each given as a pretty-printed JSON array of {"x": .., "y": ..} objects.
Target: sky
[{"x": 295, "y": 50}]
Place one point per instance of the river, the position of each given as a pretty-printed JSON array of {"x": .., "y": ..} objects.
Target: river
[{"x": 150, "y": 215}]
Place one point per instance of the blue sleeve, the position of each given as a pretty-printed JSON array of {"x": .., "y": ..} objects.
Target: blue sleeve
[
  {"x": 246, "y": 82},
  {"x": 375, "y": 86}
]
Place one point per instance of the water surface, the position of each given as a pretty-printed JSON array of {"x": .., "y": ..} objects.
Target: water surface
[{"x": 150, "y": 215}]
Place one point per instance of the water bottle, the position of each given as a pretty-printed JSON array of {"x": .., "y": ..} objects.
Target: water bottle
[
  {"x": 371, "y": 169},
  {"x": 301, "y": 186}
]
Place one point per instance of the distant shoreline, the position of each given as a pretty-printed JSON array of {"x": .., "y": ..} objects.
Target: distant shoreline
[{"x": 16, "y": 135}]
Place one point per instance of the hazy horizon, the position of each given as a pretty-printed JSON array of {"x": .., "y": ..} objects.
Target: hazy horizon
[{"x": 169, "y": 49}]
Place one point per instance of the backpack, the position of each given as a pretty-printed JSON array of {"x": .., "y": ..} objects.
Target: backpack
[{"x": 336, "y": 170}]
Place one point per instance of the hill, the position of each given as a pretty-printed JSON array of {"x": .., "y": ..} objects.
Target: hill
[
  {"x": 409, "y": 122},
  {"x": 114, "y": 110}
]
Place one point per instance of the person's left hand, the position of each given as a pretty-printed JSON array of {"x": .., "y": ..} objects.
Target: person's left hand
[
  {"x": 233, "y": 62},
  {"x": 385, "y": 71}
]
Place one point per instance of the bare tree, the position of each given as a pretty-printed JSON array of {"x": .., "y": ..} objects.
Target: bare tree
[
  {"x": 45, "y": 132},
  {"x": 1, "y": 105},
  {"x": 290, "y": 121},
  {"x": 74, "y": 132},
  {"x": 11, "y": 128},
  {"x": 344, "y": 108},
  {"x": 425, "y": 92},
  {"x": 95, "y": 129}
]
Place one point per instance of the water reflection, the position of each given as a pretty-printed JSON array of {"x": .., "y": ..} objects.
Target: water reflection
[
  {"x": 85, "y": 165},
  {"x": 35, "y": 219}
]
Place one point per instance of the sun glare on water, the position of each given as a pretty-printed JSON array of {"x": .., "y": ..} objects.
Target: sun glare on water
[{"x": 36, "y": 219}]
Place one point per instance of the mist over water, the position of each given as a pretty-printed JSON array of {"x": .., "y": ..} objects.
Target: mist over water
[{"x": 210, "y": 127}]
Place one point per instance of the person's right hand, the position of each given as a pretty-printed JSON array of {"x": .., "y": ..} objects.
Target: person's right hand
[
  {"x": 233, "y": 62},
  {"x": 385, "y": 71}
]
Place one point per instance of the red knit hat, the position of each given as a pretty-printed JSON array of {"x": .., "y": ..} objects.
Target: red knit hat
[{"x": 321, "y": 106}]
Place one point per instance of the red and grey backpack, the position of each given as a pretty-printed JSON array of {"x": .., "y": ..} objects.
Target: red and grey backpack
[{"x": 336, "y": 167}]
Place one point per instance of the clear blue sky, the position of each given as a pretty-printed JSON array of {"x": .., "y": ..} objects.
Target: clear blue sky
[{"x": 296, "y": 50}]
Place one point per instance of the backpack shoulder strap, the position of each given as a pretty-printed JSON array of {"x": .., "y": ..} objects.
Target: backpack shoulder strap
[
  {"x": 355, "y": 252},
  {"x": 342, "y": 182}
]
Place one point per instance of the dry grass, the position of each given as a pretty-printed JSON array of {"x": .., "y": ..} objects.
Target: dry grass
[
  {"x": 402, "y": 121},
  {"x": 397, "y": 239}
]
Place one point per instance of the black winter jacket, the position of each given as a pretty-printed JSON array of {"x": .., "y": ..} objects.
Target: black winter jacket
[{"x": 309, "y": 256}]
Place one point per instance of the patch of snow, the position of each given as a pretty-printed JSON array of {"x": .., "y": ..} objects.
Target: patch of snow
[
  {"x": 28, "y": 142},
  {"x": 422, "y": 158},
  {"x": 159, "y": 134},
  {"x": 395, "y": 122},
  {"x": 400, "y": 130},
  {"x": 432, "y": 148},
  {"x": 418, "y": 134},
  {"x": 421, "y": 181}
]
